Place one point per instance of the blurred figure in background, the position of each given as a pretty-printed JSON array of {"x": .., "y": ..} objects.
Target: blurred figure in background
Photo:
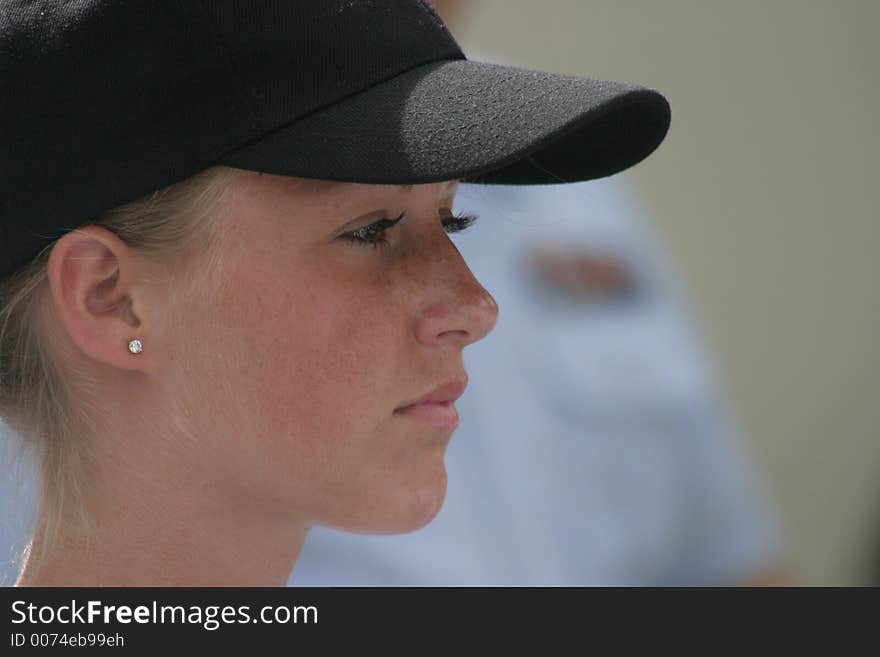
[
  {"x": 17, "y": 504},
  {"x": 592, "y": 448}
]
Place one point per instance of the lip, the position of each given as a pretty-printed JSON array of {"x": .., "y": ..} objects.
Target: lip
[
  {"x": 438, "y": 414},
  {"x": 437, "y": 407},
  {"x": 445, "y": 392}
]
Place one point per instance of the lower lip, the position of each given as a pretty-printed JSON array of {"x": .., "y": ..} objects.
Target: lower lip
[{"x": 442, "y": 416}]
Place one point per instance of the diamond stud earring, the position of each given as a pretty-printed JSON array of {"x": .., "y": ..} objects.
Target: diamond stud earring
[{"x": 135, "y": 346}]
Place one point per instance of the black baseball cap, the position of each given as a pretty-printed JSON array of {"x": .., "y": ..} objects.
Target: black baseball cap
[{"x": 104, "y": 101}]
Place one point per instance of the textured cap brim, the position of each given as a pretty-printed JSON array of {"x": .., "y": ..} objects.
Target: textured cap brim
[{"x": 469, "y": 120}]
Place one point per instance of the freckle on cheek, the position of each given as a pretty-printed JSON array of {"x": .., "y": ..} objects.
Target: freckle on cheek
[{"x": 321, "y": 308}]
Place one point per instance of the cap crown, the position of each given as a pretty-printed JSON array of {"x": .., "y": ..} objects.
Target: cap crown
[{"x": 103, "y": 101}]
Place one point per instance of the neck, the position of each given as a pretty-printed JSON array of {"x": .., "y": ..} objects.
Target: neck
[{"x": 175, "y": 534}]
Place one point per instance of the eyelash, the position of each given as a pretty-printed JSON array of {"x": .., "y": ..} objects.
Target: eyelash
[{"x": 454, "y": 224}]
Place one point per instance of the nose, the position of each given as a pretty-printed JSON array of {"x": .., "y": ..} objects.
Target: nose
[{"x": 460, "y": 310}]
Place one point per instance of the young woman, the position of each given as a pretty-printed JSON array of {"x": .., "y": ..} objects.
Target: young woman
[{"x": 229, "y": 307}]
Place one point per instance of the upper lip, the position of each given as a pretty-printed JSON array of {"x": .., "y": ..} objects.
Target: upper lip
[{"x": 445, "y": 392}]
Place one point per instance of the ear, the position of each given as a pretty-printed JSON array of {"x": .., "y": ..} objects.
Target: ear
[{"x": 91, "y": 274}]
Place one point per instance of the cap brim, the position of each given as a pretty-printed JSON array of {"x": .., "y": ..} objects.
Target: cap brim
[{"x": 469, "y": 120}]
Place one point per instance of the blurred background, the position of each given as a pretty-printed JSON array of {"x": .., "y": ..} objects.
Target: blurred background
[{"x": 765, "y": 196}]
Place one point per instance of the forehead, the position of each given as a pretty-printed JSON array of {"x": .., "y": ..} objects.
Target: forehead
[
  {"x": 318, "y": 200},
  {"x": 322, "y": 187}
]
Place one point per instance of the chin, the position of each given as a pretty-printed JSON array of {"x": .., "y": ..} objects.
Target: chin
[
  {"x": 401, "y": 510},
  {"x": 429, "y": 502},
  {"x": 423, "y": 502}
]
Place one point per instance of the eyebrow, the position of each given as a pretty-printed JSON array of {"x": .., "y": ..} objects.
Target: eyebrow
[{"x": 335, "y": 183}]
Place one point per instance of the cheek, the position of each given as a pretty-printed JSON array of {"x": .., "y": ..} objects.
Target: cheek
[
  {"x": 301, "y": 382},
  {"x": 315, "y": 370},
  {"x": 317, "y": 359}
]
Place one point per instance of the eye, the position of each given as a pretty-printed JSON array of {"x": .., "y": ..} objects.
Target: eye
[
  {"x": 374, "y": 234},
  {"x": 458, "y": 222}
]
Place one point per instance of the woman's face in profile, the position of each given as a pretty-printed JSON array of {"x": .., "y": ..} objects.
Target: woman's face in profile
[{"x": 314, "y": 340}]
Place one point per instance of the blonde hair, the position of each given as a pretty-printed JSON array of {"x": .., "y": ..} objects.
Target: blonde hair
[{"x": 45, "y": 400}]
